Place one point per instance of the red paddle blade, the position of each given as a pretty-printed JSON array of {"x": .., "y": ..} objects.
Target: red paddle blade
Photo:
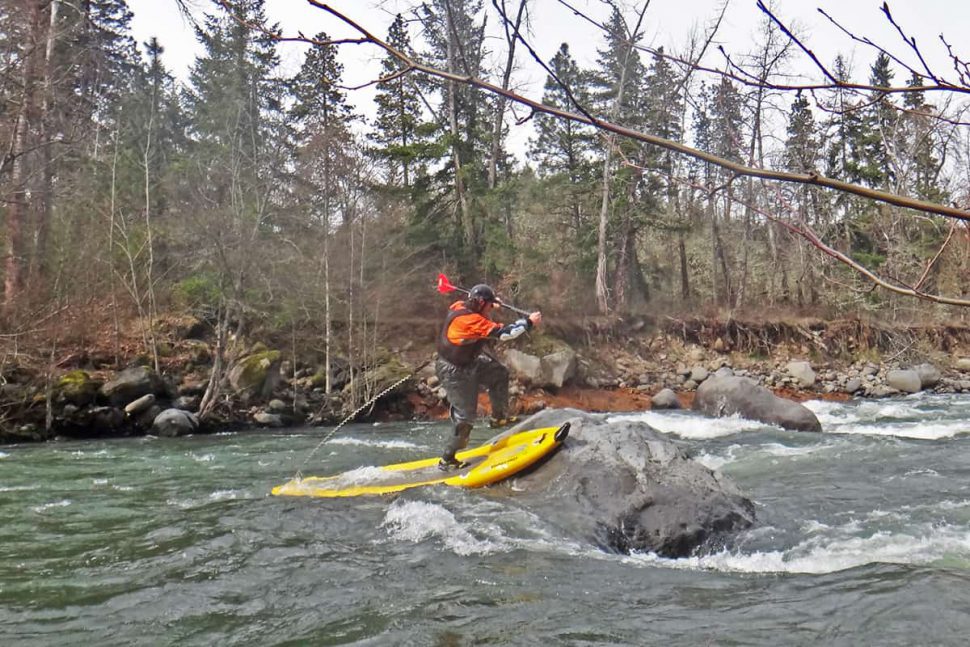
[{"x": 444, "y": 286}]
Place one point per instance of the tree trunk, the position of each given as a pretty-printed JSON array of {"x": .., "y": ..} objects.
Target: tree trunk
[
  {"x": 510, "y": 36},
  {"x": 684, "y": 276},
  {"x": 602, "y": 291},
  {"x": 17, "y": 211},
  {"x": 464, "y": 211},
  {"x": 38, "y": 264}
]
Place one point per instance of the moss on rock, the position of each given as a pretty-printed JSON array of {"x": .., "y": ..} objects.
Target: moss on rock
[
  {"x": 77, "y": 387},
  {"x": 383, "y": 375},
  {"x": 255, "y": 374}
]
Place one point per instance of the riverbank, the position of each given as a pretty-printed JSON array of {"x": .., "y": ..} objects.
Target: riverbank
[{"x": 594, "y": 365}]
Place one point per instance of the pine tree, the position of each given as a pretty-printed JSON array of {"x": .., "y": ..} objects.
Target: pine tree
[
  {"x": 920, "y": 145},
  {"x": 455, "y": 33},
  {"x": 563, "y": 146},
  {"x": 618, "y": 77},
  {"x": 802, "y": 146},
  {"x": 322, "y": 117},
  {"x": 664, "y": 103},
  {"x": 240, "y": 143},
  {"x": 564, "y": 151},
  {"x": 619, "y": 73},
  {"x": 236, "y": 107},
  {"x": 400, "y": 135},
  {"x": 878, "y": 138},
  {"x": 325, "y": 166}
]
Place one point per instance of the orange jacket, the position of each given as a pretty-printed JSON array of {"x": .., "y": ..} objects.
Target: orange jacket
[{"x": 471, "y": 327}]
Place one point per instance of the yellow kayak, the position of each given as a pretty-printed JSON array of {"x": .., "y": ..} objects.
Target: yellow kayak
[{"x": 487, "y": 464}]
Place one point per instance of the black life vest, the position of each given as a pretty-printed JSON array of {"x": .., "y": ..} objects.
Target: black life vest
[{"x": 458, "y": 354}]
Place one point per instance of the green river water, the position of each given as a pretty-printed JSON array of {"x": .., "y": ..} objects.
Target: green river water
[{"x": 863, "y": 538}]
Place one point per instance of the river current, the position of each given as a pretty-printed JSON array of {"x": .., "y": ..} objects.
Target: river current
[{"x": 863, "y": 537}]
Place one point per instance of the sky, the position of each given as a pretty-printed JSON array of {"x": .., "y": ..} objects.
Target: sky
[{"x": 668, "y": 23}]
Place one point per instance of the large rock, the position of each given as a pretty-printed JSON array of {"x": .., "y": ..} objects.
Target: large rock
[
  {"x": 131, "y": 384},
  {"x": 624, "y": 486},
  {"x": 523, "y": 365},
  {"x": 558, "y": 368},
  {"x": 906, "y": 381},
  {"x": 257, "y": 374},
  {"x": 550, "y": 370},
  {"x": 77, "y": 388},
  {"x": 174, "y": 422},
  {"x": 727, "y": 396},
  {"x": 665, "y": 399},
  {"x": 380, "y": 377},
  {"x": 929, "y": 375},
  {"x": 802, "y": 373},
  {"x": 962, "y": 364}
]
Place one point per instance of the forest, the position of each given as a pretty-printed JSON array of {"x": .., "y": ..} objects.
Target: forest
[{"x": 654, "y": 182}]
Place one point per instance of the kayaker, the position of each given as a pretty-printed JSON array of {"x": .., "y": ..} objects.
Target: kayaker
[{"x": 463, "y": 368}]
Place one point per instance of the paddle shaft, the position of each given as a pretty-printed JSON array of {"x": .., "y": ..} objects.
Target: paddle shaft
[{"x": 500, "y": 302}]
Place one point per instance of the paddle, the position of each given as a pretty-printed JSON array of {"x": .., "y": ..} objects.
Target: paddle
[{"x": 445, "y": 287}]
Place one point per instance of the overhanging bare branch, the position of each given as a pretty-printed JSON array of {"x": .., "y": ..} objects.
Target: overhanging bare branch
[{"x": 812, "y": 178}]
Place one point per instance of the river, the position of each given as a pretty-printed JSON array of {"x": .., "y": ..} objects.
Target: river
[{"x": 863, "y": 537}]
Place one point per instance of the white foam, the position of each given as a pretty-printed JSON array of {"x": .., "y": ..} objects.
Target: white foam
[
  {"x": 204, "y": 458},
  {"x": 385, "y": 444},
  {"x": 225, "y": 495},
  {"x": 417, "y": 521},
  {"x": 81, "y": 454},
  {"x": 920, "y": 430},
  {"x": 4, "y": 455},
  {"x": 910, "y": 417},
  {"x": 18, "y": 488},
  {"x": 777, "y": 449},
  {"x": 360, "y": 476},
  {"x": 713, "y": 461},
  {"x": 63, "y": 503},
  {"x": 825, "y": 554},
  {"x": 734, "y": 453},
  {"x": 690, "y": 425}
]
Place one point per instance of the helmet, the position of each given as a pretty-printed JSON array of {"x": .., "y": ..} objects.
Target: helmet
[{"x": 479, "y": 295}]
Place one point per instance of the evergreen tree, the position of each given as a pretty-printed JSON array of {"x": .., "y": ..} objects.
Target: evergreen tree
[
  {"x": 627, "y": 196},
  {"x": 564, "y": 151},
  {"x": 920, "y": 145},
  {"x": 724, "y": 106},
  {"x": 455, "y": 33},
  {"x": 802, "y": 146},
  {"x": 563, "y": 146},
  {"x": 878, "y": 138},
  {"x": 619, "y": 74},
  {"x": 240, "y": 142},
  {"x": 400, "y": 135},
  {"x": 322, "y": 117},
  {"x": 664, "y": 102}
]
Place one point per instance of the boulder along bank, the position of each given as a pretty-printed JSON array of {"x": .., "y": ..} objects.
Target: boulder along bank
[{"x": 591, "y": 364}]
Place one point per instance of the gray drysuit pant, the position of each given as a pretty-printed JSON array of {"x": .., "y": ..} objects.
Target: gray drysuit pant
[{"x": 462, "y": 383}]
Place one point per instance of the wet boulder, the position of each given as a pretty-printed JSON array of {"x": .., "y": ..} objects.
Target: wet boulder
[
  {"x": 731, "y": 395},
  {"x": 174, "y": 422},
  {"x": 624, "y": 486}
]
